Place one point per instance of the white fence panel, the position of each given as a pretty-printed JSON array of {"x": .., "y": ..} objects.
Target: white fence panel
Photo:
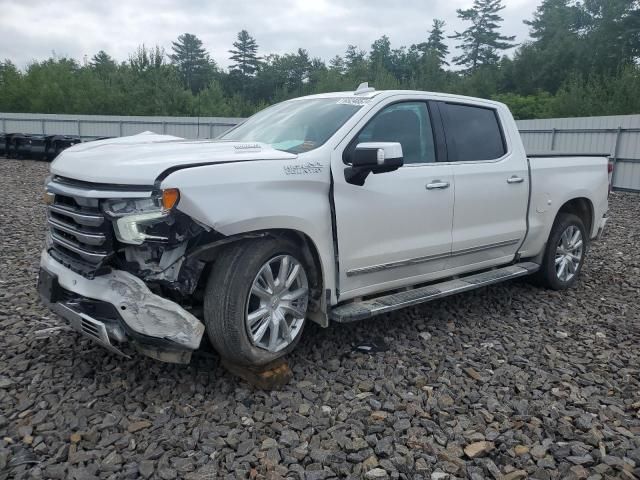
[
  {"x": 617, "y": 136},
  {"x": 93, "y": 126}
]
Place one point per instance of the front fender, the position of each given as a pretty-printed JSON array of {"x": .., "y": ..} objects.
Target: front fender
[{"x": 236, "y": 198}]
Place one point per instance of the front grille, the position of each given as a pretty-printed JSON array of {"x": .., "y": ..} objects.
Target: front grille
[
  {"x": 79, "y": 229},
  {"x": 81, "y": 235}
]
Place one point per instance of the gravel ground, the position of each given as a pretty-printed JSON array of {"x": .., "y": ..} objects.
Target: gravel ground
[{"x": 507, "y": 382}]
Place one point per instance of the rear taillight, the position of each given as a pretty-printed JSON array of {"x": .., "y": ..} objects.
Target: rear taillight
[{"x": 610, "y": 174}]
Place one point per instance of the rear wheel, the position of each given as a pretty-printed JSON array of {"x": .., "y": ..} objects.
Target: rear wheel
[
  {"x": 256, "y": 301},
  {"x": 565, "y": 253}
]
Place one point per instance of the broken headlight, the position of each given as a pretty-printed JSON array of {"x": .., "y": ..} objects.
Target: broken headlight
[{"x": 132, "y": 218}]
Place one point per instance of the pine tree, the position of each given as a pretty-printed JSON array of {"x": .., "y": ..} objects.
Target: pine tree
[
  {"x": 193, "y": 62},
  {"x": 613, "y": 27},
  {"x": 552, "y": 20},
  {"x": 336, "y": 64},
  {"x": 380, "y": 54},
  {"x": 356, "y": 64},
  {"x": 103, "y": 64},
  {"x": 102, "y": 59},
  {"x": 556, "y": 51},
  {"x": 245, "y": 54},
  {"x": 482, "y": 41},
  {"x": 354, "y": 57},
  {"x": 435, "y": 43},
  {"x": 434, "y": 50}
]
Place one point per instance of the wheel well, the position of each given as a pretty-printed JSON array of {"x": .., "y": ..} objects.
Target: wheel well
[
  {"x": 318, "y": 310},
  {"x": 583, "y": 209},
  {"x": 318, "y": 307}
]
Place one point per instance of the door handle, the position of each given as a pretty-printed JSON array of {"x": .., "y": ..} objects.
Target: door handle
[
  {"x": 437, "y": 184},
  {"x": 515, "y": 179}
]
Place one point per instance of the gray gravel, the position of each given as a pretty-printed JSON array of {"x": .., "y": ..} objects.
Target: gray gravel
[{"x": 507, "y": 382}]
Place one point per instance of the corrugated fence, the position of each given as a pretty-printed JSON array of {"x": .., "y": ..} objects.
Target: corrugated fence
[
  {"x": 618, "y": 136},
  {"x": 93, "y": 126}
]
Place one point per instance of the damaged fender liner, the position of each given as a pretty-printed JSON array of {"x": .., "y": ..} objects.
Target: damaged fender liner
[{"x": 144, "y": 312}]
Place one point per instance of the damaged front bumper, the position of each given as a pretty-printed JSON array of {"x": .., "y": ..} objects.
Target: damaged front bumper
[{"x": 118, "y": 307}]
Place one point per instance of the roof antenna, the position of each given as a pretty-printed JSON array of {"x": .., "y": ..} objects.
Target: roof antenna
[{"x": 364, "y": 88}]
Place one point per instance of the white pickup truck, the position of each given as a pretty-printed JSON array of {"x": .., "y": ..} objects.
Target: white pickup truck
[{"x": 332, "y": 207}]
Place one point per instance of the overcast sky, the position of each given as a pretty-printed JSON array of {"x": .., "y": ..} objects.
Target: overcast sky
[{"x": 35, "y": 29}]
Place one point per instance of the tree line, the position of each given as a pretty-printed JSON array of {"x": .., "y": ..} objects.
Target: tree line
[{"x": 582, "y": 59}]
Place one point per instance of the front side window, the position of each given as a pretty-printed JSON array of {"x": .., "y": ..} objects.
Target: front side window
[
  {"x": 407, "y": 123},
  {"x": 473, "y": 133},
  {"x": 296, "y": 126}
]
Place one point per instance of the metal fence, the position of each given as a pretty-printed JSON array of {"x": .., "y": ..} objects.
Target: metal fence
[
  {"x": 618, "y": 136},
  {"x": 92, "y": 126}
]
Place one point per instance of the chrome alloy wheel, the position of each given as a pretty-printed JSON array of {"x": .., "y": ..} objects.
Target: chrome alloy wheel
[
  {"x": 277, "y": 303},
  {"x": 569, "y": 253}
]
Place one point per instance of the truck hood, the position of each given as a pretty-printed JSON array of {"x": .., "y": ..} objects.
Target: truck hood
[{"x": 140, "y": 159}]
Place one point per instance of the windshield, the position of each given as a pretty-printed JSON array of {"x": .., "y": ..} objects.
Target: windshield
[{"x": 297, "y": 126}]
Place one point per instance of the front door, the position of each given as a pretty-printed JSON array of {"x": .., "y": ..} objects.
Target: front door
[{"x": 396, "y": 229}]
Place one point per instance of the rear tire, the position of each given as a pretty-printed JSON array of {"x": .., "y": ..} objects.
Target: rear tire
[
  {"x": 250, "y": 312},
  {"x": 565, "y": 253}
]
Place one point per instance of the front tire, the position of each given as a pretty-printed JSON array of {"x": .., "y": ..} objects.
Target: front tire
[
  {"x": 256, "y": 301},
  {"x": 565, "y": 253}
]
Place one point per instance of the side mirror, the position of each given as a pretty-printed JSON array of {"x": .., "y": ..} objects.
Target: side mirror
[{"x": 373, "y": 157}]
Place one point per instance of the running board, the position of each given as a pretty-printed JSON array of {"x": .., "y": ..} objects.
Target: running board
[{"x": 350, "y": 312}]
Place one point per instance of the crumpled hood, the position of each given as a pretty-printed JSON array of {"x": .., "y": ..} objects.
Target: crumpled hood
[{"x": 140, "y": 159}]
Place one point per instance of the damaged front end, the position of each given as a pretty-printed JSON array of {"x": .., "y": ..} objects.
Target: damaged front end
[
  {"x": 154, "y": 241},
  {"x": 118, "y": 266}
]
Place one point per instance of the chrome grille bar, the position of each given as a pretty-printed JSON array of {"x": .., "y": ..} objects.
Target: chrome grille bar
[
  {"x": 91, "y": 255},
  {"x": 72, "y": 191},
  {"x": 79, "y": 217},
  {"x": 93, "y": 239}
]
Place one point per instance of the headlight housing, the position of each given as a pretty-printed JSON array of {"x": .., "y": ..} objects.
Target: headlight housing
[{"x": 132, "y": 217}]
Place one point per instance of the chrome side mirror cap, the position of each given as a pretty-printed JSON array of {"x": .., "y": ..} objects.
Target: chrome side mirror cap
[{"x": 373, "y": 157}]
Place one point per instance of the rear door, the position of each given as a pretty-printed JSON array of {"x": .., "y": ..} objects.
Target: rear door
[{"x": 491, "y": 187}]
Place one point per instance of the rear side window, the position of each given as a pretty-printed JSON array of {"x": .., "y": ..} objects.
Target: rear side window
[{"x": 473, "y": 133}]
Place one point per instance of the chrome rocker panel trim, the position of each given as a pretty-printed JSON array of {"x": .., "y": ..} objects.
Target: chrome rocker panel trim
[{"x": 430, "y": 258}]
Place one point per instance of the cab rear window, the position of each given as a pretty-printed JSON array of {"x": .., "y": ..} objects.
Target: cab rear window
[{"x": 473, "y": 133}]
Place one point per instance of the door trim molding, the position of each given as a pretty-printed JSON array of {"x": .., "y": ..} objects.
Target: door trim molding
[
  {"x": 482, "y": 248},
  {"x": 429, "y": 258}
]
